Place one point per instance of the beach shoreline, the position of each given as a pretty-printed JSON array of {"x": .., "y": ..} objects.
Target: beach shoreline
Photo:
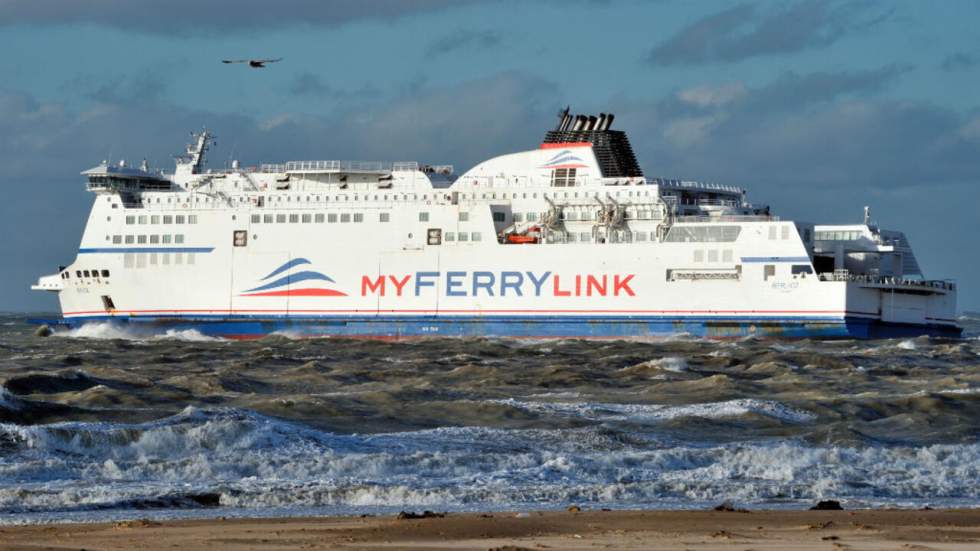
[{"x": 871, "y": 529}]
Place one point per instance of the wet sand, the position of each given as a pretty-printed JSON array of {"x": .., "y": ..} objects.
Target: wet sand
[{"x": 920, "y": 530}]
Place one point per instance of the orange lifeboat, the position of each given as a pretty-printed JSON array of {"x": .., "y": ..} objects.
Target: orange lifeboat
[{"x": 521, "y": 239}]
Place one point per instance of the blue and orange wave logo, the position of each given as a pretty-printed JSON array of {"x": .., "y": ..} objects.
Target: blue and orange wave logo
[
  {"x": 564, "y": 159},
  {"x": 282, "y": 286}
]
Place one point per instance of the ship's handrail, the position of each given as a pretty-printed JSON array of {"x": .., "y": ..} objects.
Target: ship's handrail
[
  {"x": 726, "y": 218},
  {"x": 844, "y": 275},
  {"x": 338, "y": 166}
]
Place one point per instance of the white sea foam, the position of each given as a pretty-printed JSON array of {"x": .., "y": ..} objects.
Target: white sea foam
[
  {"x": 258, "y": 462},
  {"x": 907, "y": 345},
  {"x": 114, "y": 331},
  {"x": 657, "y": 412}
]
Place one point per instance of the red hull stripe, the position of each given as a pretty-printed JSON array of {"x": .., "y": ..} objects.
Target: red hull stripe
[
  {"x": 454, "y": 311},
  {"x": 298, "y": 293},
  {"x": 561, "y": 145}
]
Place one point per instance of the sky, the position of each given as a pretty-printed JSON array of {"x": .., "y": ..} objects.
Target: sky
[{"x": 817, "y": 107}]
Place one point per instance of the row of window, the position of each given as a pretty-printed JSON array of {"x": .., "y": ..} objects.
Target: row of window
[
  {"x": 85, "y": 273},
  {"x": 462, "y": 236},
  {"x": 318, "y": 218},
  {"x": 712, "y": 255},
  {"x": 161, "y": 218},
  {"x": 142, "y": 260},
  {"x": 151, "y": 239},
  {"x": 838, "y": 235}
]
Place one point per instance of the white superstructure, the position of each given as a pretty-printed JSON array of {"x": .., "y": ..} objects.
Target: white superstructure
[{"x": 568, "y": 239}]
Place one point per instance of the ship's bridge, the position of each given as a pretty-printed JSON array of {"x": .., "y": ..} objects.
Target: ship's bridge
[{"x": 121, "y": 178}]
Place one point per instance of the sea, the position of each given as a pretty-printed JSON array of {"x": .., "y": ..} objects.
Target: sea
[{"x": 107, "y": 422}]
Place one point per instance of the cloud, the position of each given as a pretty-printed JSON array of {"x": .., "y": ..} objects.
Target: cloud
[
  {"x": 464, "y": 39},
  {"x": 829, "y": 130},
  {"x": 184, "y": 16},
  {"x": 742, "y": 32},
  {"x": 960, "y": 61}
]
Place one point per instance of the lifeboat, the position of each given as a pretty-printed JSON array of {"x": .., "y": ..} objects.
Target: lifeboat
[{"x": 521, "y": 239}]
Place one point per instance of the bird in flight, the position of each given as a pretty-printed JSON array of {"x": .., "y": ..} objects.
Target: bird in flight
[{"x": 253, "y": 63}]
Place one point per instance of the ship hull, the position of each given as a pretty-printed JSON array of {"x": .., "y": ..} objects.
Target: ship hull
[{"x": 402, "y": 327}]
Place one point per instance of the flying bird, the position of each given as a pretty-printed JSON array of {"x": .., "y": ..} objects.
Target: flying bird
[{"x": 253, "y": 63}]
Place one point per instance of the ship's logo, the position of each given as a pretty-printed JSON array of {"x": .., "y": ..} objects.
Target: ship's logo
[
  {"x": 284, "y": 281},
  {"x": 564, "y": 159}
]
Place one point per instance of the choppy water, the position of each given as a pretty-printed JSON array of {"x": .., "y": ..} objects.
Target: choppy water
[{"x": 101, "y": 423}]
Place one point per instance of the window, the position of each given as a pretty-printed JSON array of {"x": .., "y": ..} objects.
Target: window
[
  {"x": 345, "y": 217},
  {"x": 358, "y": 217},
  {"x": 293, "y": 218},
  {"x": 280, "y": 218},
  {"x": 141, "y": 239},
  {"x": 699, "y": 255},
  {"x": 141, "y": 219},
  {"x": 130, "y": 239},
  {"x": 318, "y": 218},
  {"x": 130, "y": 220},
  {"x": 713, "y": 255},
  {"x": 166, "y": 238},
  {"x": 180, "y": 219},
  {"x": 116, "y": 239},
  {"x": 785, "y": 233},
  {"x": 561, "y": 177},
  {"x": 571, "y": 238},
  {"x": 192, "y": 219},
  {"x": 532, "y": 217},
  {"x": 105, "y": 273},
  {"x": 423, "y": 217},
  {"x": 434, "y": 236},
  {"x": 518, "y": 217},
  {"x": 801, "y": 269},
  {"x": 449, "y": 236},
  {"x": 106, "y": 300},
  {"x": 78, "y": 273},
  {"x": 585, "y": 237},
  {"x": 475, "y": 236},
  {"x": 332, "y": 217},
  {"x": 770, "y": 271},
  {"x": 772, "y": 233},
  {"x": 713, "y": 233},
  {"x": 463, "y": 236},
  {"x": 726, "y": 255},
  {"x": 240, "y": 238},
  {"x": 384, "y": 217},
  {"x": 168, "y": 219},
  {"x": 266, "y": 218},
  {"x": 307, "y": 218},
  {"x": 464, "y": 216},
  {"x": 86, "y": 272},
  {"x": 256, "y": 218},
  {"x": 499, "y": 217},
  {"x": 154, "y": 239},
  {"x": 641, "y": 236},
  {"x": 155, "y": 219},
  {"x": 179, "y": 238}
]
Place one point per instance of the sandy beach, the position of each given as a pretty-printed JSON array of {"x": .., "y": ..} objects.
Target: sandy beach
[{"x": 703, "y": 530}]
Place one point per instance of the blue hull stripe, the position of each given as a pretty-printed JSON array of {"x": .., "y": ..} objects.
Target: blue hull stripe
[
  {"x": 258, "y": 325},
  {"x": 759, "y": 259},
  {"x": 146, "y": 250}
]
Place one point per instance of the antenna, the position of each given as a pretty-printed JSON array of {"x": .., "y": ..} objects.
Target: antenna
[{"x": 867, "y": 215}]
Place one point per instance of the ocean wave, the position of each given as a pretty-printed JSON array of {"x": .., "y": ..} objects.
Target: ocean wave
[
  {"x": 656, "y": 412},
  {"x": 119, "y": 331},
  {"x": 251, "y": 461}
]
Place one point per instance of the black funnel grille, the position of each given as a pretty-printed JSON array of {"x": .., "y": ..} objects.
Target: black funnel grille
[{"x": 612, "y": 147}]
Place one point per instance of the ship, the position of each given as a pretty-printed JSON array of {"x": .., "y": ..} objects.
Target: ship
[{"x": 568, "y": 239}]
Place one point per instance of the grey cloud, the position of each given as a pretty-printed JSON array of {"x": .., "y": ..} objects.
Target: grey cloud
[
  {"x": 184, "y": 16},
  {"x": 464, "y": 39},
  {"x": 742, "y": 32},
  {"x": 960, "y": 61}
]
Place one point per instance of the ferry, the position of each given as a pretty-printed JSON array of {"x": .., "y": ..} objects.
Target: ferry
[{"x": 568, "y": 239}]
